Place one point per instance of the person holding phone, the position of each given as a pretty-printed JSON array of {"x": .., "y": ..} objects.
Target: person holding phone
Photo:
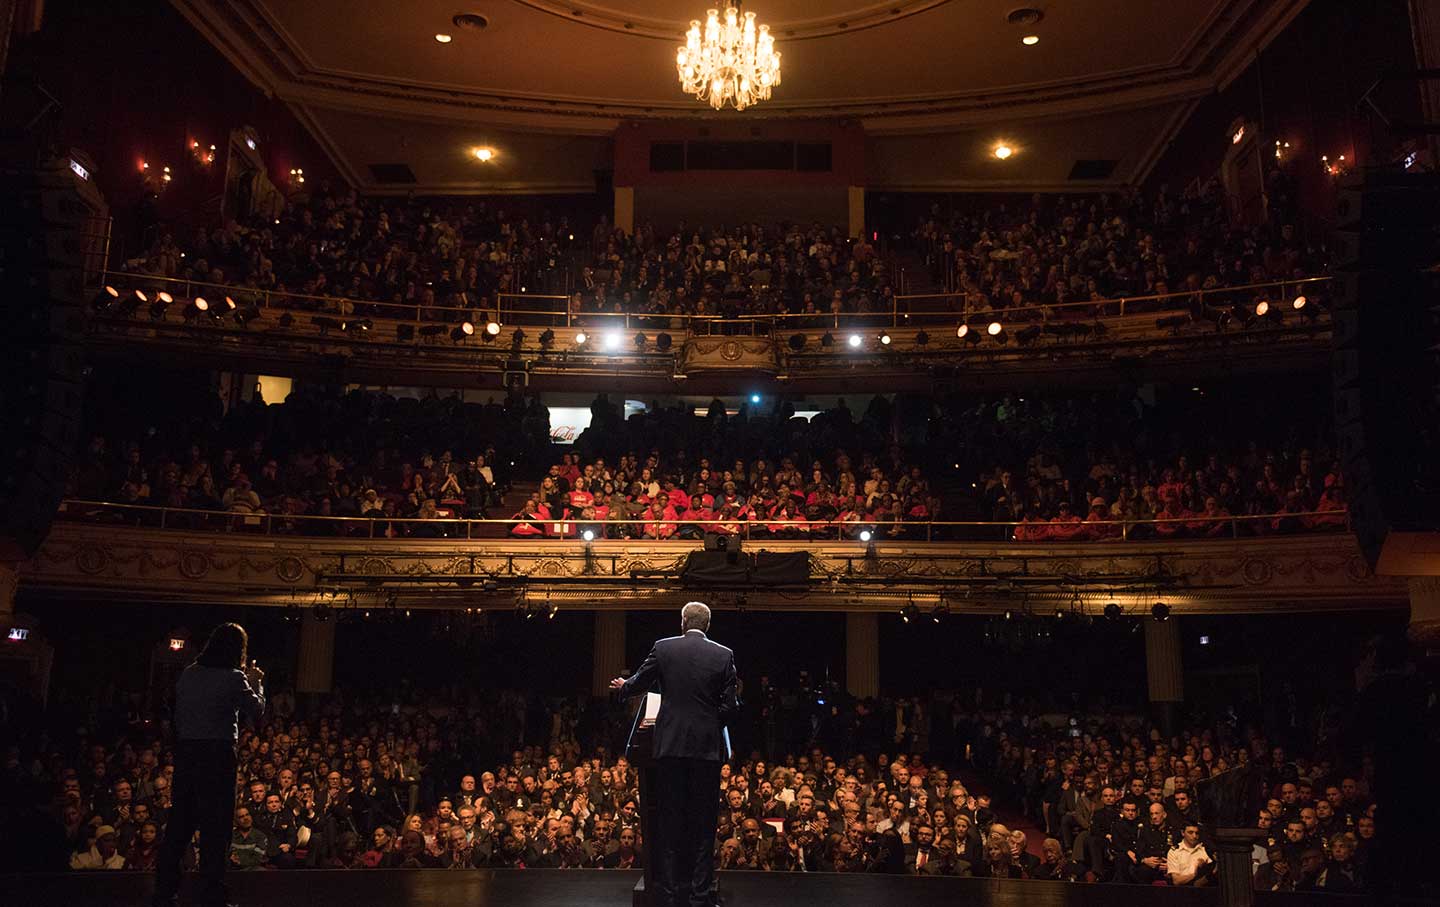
[{"x": 210, "y": 696}]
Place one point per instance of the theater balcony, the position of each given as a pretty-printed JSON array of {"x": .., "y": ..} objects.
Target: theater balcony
[
  {"x": 540, "y": 342},
  {"x": 1293, "y": 562}
]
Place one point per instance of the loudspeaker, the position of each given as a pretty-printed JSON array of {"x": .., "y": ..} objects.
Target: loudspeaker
[
  {"x": 44, "y": 241},
  {"x": 1384, "y": 370}
]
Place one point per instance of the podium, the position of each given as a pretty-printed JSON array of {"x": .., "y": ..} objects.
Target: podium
[{"x": 640, "y": 749}]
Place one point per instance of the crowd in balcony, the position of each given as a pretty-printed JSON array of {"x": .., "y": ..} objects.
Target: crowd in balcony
[
  {"x": 433, "y": 258},
  {"x": 1043, "y": 468},
  {"x": 1057, "y": 250},
  {"x": 460, "y": 778}
]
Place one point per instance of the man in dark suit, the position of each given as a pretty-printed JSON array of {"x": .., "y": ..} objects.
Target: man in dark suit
[{"x": 697, "y": 682}]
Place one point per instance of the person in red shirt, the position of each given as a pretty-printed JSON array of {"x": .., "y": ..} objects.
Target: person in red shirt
[
  {"x": 1097, "y": 521},
  {"x": 1066, "y": 526},
  {"x": 530, "y": 520}
]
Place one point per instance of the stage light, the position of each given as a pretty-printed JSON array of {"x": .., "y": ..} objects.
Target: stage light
[
  {"x": 663, "y": 342},
  {"x": 547, "y": 339},
  {"x": 938, "y": 612},
  {"x": 167, "y": 298},
  {"x": 884, "y": 339},
  {"x": 322, "y": 612},
  {"x": 106, "y": 296},
  {"x": 1160, "y": 611},
  {"x": 492, "y": 328},
  {"x": 244, "y": 316},
  {"x": 797, "y": 342},
  {"x": 1113, "y": 611},
  {"x": 640, "y": 341},
  {"x": 588, "y": 535},
  {"x": 855, "y": 340},
  {"x": 1262, "y": 308},
  {"x": 200, "y": 303},
  {"x": 140, "y": 295},
  {"x": 1030, "y": 40},
  {"x": 827, "y": 340},
  {"x": 363, "y": 324},
  {"x": 613, "y": 340},
  {"x": 866, "y": 535},
  {"x": 157, "y": 308},
  {"x": 922, "y": 338},
  {"x": 962, "y": 330},
  {"x": 1299, "y": 303},
  {"x": 580, "y": 338},
  {"x": 1009, "y": 614},
  {"x": 554, "y": 610},
  {"x": 484, "y": 154},
  {"x": 458, "y": 334},
  {"x": 1003, "y": 151},
  {"x": 517, "y": 339},
  {"x": 754, "y": 398},
  {"x": 909, "y": 612},
  {"x": 1028, "y": 335},
  {"x": 994, "y": 329}
]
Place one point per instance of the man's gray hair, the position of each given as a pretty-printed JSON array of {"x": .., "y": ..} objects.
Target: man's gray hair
[{"x": 695, "y": 616}]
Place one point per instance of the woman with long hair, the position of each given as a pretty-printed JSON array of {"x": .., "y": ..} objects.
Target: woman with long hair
[{"x": 210, "y": 695}]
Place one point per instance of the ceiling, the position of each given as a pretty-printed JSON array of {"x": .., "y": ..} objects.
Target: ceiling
[{"x": 580, "y": 68}]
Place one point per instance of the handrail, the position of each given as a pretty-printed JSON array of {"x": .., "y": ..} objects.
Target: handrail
[
  {"x": 571, "y": 526},
  {"x": 1100, "y": 311}
]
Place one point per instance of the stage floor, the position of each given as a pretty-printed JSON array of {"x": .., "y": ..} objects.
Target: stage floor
[{"x": 607, "y": 888}]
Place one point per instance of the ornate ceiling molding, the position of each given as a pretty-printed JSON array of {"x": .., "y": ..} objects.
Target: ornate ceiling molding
[
  {"x": 250, "y": 36},
  {"x": 595, "y": 15}
]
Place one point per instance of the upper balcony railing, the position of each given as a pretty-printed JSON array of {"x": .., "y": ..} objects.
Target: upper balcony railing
[
  {"x": 163, "y": 300},
  {"x": 1199, "y": 526}
]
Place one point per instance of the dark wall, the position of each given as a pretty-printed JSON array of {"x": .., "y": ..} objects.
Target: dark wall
[
  {"x": 135, "y": 82},
  {"x": 1305, "y": 89}
]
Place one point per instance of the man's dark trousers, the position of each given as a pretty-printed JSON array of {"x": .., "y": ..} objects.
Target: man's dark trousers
[
  {"x": 204, "y": 800},
  {"x": 687, "y": 800}
]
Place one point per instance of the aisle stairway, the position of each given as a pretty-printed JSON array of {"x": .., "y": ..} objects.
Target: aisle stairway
[{"x": 510, "y": 504}]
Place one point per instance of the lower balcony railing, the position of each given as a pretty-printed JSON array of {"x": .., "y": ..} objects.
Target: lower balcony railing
[{"x": 448, "y": 526}]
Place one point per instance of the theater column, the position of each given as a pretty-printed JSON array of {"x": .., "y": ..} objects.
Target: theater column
[
  {"x": 862, "y": 653},
  {"x": 9, "y": 582},
  {"x": 315, "y": 662},
  {"x": 1163, "y": 669},
  {"x": 856, "y": 198},
  {"x": 609, "y": 649},
  {"x": 625, "y": 209}
]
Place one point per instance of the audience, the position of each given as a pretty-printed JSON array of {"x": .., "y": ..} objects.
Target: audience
[
  {"x": 1059, "y": 250},
  {"x": 456, "y": 778}
]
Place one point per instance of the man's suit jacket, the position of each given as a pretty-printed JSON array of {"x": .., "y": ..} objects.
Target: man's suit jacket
[{"x": 696, "y": 680}]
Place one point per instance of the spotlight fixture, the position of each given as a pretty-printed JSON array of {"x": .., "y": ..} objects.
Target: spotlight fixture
[
  {"x": 167, "y": 298},
  {"x": 105, "y": 298},
  {"x": 247, "y": 314},
  {"x": 885, "y": 339},
  {"x": 1113, "y": 611},
  {"x": 230, "y": 304},
  {"x": 1299, "y": 303},
  {"x": 460, "y": 332},
  {"x": 588, "y": 535},
  {"x": 961, "y": 331},
  {"x": 492, "y": 328},
  {"x": 827, "y": 340},
  {"x": 517, "y": 339},
  {"x": 1262, "y": 308},
  {"x": 663, "y": 342},
  {"x": 140, "y": 295},
  {"x": 324, "y": 323},
  {"x": 612, "y": 340},
  {"x": 322, "y": 612},
  {"x": 547, "y": 339},
  {"x": 1009, "y": 615},
  {"x": 157, "y": 308},
  {"x": 938, "y": 612},
  {"x": 1028, "y": 335},
  {"x": 922, "y": 338},
  {"x": 1003, "y": 151},
  {"x": 855, "y": 340},
  {"x": 754, "y": 398},
  {"x": 640, "y": 341},
  {"x": 554, "y": 610},
  {"x": 797, "y": 342},
  {"x": 866, "y": 535},
  {"x": 909, "y": 612},
  {"x": 580, "y": 338},
  {"x": 484, "y": 154},
  {"x": 1160, "y": 611},
  {"x": 994, "y": 329}
]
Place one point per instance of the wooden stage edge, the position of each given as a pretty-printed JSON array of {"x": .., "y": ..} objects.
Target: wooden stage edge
[{"x": 610, "y": 888}]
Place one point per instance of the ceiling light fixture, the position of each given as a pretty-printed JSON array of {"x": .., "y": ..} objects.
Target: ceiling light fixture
[
  {"x": 1003, "y": 151},
  {"x": 1030, "y": 40},
  {"x": 483, "y": 154},
  {"x": 730, "y": 61},
  {"x": 443, "y": 38}
]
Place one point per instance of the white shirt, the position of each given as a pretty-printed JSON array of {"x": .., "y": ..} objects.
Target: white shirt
[{"x": 1183, "y": 861}]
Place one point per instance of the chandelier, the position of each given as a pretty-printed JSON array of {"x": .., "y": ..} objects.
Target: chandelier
[{"x": 732, "y": 61}]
